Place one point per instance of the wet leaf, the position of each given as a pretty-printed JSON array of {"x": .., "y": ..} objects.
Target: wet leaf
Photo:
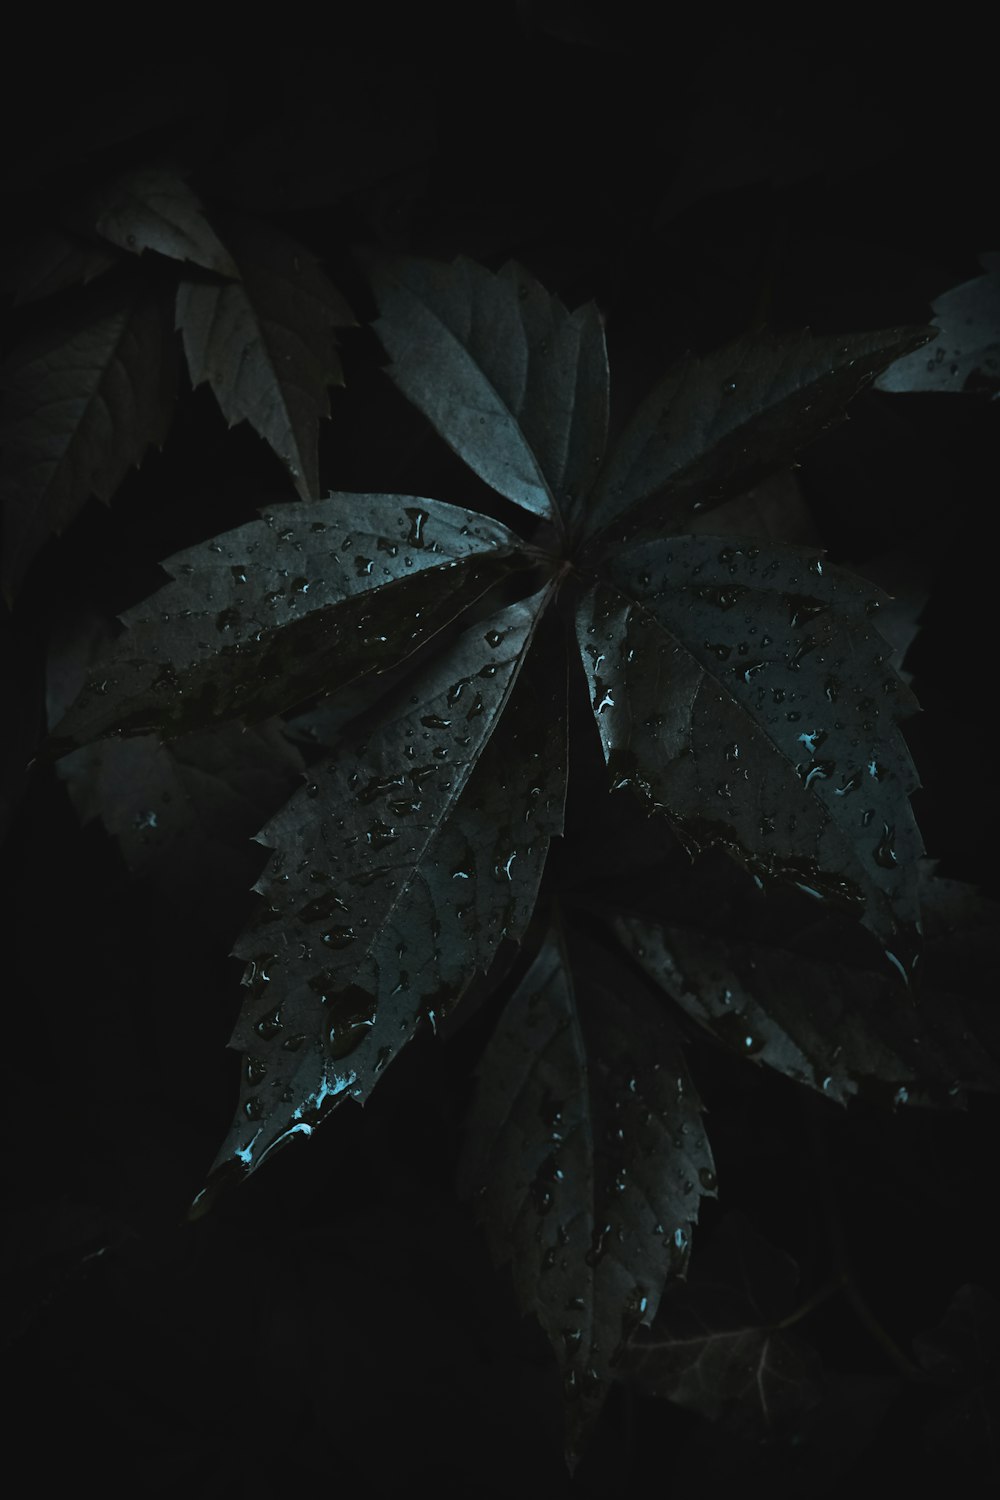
[
  {"x": 85, "y": 399},
  {"x": 588, "y": 1159},
  {"x": 304, "y": 601},
  {"x": 514, "y": 383},
  {"x": 838, "y": 1021},
  {"x": 715, "y": 425},
  {"x": 265, "y": 343},
  {"x": 396, "y": 874},
  {"x": 154, "y": 208},
  {"x": 965, "y": 356},
  {"x": 718, "y": 1345},
  {"x": 744, "y": 692}
]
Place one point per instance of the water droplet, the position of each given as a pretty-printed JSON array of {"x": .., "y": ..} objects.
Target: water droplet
[
  {"x": 885, "y": 849},
  {"x": 352, "y": 1014},
  {"x": 270, "y": 1024},
  {"x": 493, "y": 637},
  {"x": 707, "y": 1178},
  {"x": 339, "y": 937},
  {"x": 417, "y": 519}
]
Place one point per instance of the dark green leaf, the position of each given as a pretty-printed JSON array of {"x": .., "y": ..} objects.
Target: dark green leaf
[
  {"x": 85, "y": 399},
  {"x": 266, "y": 343},
  {"x": 395, "y": 876},
  {"x": 154, "y": 208},
  {"x": 715, "y": 425},
  {"x": 743, "y": 691},
  {"x": 515, "y": 384},
  {"x": 588, "y": 1157},
  {"x": 302, "y": 602},
  {"x": 717, "y": 1345}
]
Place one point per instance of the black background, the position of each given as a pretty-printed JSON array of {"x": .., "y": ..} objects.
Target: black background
[{"x": 337, "y": 1321}]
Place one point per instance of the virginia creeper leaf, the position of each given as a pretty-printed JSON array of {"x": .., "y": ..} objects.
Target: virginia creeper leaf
[
  {"x": 743, "y": 691},
  {"x": 395, "y": 876},
  {"x": 85, "y": 398},
  {"x": 154, "y": 208},
  {"x": 588, "y": 1159},
  {"x": 966, "y": 354},
  {"x": 514, "y": 383},
  {"x": 266, "y": 343},
  {"x": 302, "y": 602},
  {"x": 717, "y": 1344},
  {"x": 715, "y": 425}
]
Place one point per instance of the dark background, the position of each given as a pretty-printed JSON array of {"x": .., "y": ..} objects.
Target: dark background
[{"x": 337, "y": 1320}]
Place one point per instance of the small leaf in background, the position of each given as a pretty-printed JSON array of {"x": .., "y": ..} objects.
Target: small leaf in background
[
  {"x": 84, "y": 400},
  {"x": 396, "y": 874},
  {"x": 714, "y": 426},
  {"x": 966, "y": 354},
  {"x": 514, "y": 383},
  {"x": 587, "y": 1159},
  {"x": 718, "y": 1345},
  {"x": 840, "y": 1023},
  {"x": 316, "y": 594},
  {"x": 51, "y": 261},
  {"x": 154, "y": 208},
  {"x": 960, "y": 1354},
  {"x": 266, "y": 344},
  {"x": 743, "y": 691}
]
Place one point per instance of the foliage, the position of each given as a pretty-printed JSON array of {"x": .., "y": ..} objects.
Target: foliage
[{"x": 568, "y": 743}]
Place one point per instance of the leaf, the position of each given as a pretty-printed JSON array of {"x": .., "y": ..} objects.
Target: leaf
[
  {"x": 85, "y": 399},
  {"x": 50, "y": 262},
  {"x": 588, "y": 1158},
  {"x": 960, "y": 1354},
  {"x": 514, "y": 383},
  {"x": 266, "y": 344},
  {"x": 306, "y": 600},
  {"x": 742, "y": 691},
  {"x": 154, "y": 208},
  {"x": 807, "y": 1006},
  {"x": 715, "y": 425},
  {"x": 395, "y": 876},
  {"x": 717, "y": 1345},
  {"x": 184, "y": 814},
  {"x": 966, "y": 355}
]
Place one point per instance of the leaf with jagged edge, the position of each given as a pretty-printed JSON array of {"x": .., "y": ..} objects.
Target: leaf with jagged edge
[
  {"x": 514, "y": 383},
  {"x": 304, "y": 601},
  {"x": 715, "y": 425},
  {"x": 718, "y": 1345},
  {"x": 743, "y": 691},
  {"x": 265, "y": 343},
  {"x": 154, "y": 208},
  {"x": 587, "y": 1158},
  {"x": 809, "y": 1005},
  {"x": 84, "y": 400},
  {"x": 966, "y": 354},
  {"x": 396, "y": 874}
]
